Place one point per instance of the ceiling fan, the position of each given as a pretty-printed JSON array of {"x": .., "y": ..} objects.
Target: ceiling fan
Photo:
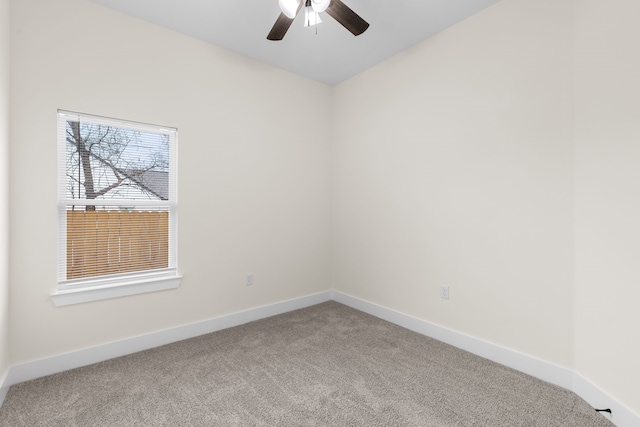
[{"x": 334, "y": 8}]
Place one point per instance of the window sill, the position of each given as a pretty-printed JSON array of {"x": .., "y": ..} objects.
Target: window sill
[{"x": 131, "y": 286}]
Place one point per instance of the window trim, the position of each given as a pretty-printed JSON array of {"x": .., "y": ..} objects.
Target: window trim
[
  {"x": 96, "y": 288},
  {"x": 105, "y": 290}
]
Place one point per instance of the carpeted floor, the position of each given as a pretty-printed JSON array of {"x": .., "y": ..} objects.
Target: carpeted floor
[{"x": 327, "y": 365}]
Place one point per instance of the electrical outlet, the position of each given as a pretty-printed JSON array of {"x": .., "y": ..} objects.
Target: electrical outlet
[
  {"x": 249, "y": 279},
  {"x": 444, "y": 292}
]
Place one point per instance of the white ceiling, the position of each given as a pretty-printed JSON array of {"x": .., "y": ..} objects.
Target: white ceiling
[{"x": 330, "y": 56}]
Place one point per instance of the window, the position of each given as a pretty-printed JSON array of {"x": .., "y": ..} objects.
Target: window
[{"x": 117, "y": 208}]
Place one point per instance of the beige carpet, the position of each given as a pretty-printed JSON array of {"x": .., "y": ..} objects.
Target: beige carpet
[{"x": 327, "y": 365}]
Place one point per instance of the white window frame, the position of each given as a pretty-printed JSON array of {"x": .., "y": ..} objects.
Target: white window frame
[{"x": 82, "y": 290}]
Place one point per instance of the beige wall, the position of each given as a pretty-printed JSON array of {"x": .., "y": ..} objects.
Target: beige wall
[
  {"x": 253, "y": 187},
  {"x": 4, "y": 187},
  {"x": 453, "y": 164},
  {"x": 607, "y": 109}
]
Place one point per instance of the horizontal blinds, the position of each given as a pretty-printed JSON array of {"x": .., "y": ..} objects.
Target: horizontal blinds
[{"x": 117, "y": 193}]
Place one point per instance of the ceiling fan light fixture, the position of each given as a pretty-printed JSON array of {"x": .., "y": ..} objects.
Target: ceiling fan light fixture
[
  {"x": 289, "y": 7},
  {"x": 311, "y": 17},
  {"x": 320, "y": 5}
]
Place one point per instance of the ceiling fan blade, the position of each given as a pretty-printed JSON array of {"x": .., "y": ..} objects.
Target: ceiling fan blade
[
  {"x": 347, "y": 17},
  {"x": 280, "y": 28},
  {"x": 282, "y": 25}
]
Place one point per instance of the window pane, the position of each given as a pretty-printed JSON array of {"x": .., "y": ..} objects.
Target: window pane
[
  {"x": 109, "y": 162},
  {"x": 112, "y": 241}
]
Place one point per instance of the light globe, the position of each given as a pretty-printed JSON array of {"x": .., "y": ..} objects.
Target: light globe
[
  {"x": 320, "y": 5},
  {"x": 289, "y": 7}
]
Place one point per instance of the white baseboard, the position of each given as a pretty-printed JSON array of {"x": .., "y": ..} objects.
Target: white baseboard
[
  {"x": 538, "y": 368},
  {"x": 546, "y": 371},
  {"x": 63, "y": 362},
  {"x": 563, "y": 377},
  {"x": 621, "y": 416},
  {"x": 4, "y": 387}
]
